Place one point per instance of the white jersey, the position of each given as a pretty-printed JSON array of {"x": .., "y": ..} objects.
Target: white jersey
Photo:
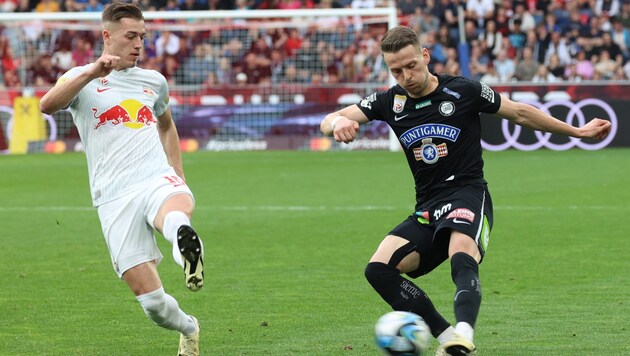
[{"x": 117, "y": 121}]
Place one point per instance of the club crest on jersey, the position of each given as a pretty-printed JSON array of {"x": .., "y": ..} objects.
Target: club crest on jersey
[
  {"x": 103, "y": 80},
  {"x": 148, "y": 91},
  {"x": 399, "y": 103},
  {"x": 447, "y": 108},
  {"x": 429, "y": 152}
]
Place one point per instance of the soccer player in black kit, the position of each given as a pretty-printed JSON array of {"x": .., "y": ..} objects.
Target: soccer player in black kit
[{"x": 437, "y": 121}]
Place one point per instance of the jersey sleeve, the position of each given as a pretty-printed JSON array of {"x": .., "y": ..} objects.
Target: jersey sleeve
[
  {"x": 487, "y": 100},
  {"x": 71, "y": 73},
  {"x": 375, "y": 105},
  {"x": 161, "y": 104}
]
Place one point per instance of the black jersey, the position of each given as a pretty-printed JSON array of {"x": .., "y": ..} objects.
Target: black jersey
[{"x": 440, "y": 132}]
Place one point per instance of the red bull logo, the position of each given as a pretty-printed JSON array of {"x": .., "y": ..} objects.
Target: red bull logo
[{"x": 131, "y": 113}]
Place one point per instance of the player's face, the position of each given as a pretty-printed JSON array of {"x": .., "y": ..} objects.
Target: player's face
[
  {"x": 409, "y": 68},
  {"x": 125, "y": 40}
]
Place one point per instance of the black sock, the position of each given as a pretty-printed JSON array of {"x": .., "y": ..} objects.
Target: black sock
[
  {"x": 465, "y": 273},
  {"x": 403, "y": 295}
]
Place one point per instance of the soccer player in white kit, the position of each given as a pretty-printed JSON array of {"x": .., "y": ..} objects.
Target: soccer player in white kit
[{"x": 135, "y": 167}]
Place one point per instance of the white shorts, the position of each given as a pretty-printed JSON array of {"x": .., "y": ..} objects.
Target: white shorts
[{"x": 127, "y": 222}]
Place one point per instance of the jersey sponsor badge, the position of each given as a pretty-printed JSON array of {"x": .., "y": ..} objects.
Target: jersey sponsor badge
[
  {"x": 447, "y": 108},
  {"x": 423, "y": 104},
  {"x": 429, "y": 152},
  {"x": 367, "y": 102},
  {"x": 399, "y": 103},
  {"x": 487, "y": 93}
]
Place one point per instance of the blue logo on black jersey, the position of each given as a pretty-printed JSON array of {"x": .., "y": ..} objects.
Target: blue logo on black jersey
[{"x": 418, "y": 133}]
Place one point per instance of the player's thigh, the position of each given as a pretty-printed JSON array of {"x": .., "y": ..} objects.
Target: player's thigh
[
  {"x": 128, "y": 236},
  {"x": 165, "y": 196},
  {"x": 467, "y": 222},
  {"x": 143, "y": 278},
  {"x": 407, "y": 246}
]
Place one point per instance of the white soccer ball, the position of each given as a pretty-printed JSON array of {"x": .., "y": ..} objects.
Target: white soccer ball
[{"x": 402, "y": 333}]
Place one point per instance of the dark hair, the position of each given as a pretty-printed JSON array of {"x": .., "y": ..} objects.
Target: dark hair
[
  {"x": 398, "y": 38},
  {"x": 119, "y": 10}
]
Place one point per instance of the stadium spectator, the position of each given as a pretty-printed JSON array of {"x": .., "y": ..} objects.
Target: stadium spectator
[
  {"x": 555, "y": 67},
  {"x": 479, "y": 61},
  {"x": 195, "y": 69},
  {"x": 504, "y": 66},
  {"x": 526, "y": 19},
  {"x": 62, "y": 57},
  {"x": 490, "y": 77},
  {"x": 480, "y": 11},
  {"x": 42, "y": 72},
  {"x": 558, "y": 45},
  {"x": 517, "y": 36},
  {"x": 453, "y": 215},
  {"x": 605, "y": 66},
  {"x": 544, "y": 76},
  {"x": 527, "y": 67},
  {"x": 570, "y": 73},
  {"x": 609, "y": 8},
  {"x": 48, "y": 6},
  {"x": 293, "y": 42},
  {"x": 503, "y": 21},
  {"x": 193, "y": 5},
  {"x": 167, "y": 43},
  {"x": 93, "y": 6},
  {"x": 621, "y": 36},
  {"x": 492, "y": 38},
  {"x": 134, "y": 193},
  {"x": 584, "y": 66}
]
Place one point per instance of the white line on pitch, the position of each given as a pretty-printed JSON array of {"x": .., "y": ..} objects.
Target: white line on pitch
[{"x": 314, "y": 208}]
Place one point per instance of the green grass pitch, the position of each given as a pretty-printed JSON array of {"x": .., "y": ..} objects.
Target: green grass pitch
[{"x": 287, "y": 237}]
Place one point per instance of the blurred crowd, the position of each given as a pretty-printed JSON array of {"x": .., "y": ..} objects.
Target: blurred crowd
[{"x": 507, "y": 41}]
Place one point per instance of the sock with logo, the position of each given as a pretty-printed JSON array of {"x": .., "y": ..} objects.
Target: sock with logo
[
  {"x": 404, "y": 295},
  {"x": 465, "y": 273}
]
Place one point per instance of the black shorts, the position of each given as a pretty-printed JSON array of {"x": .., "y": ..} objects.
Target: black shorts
[{"x": 467, "y": 210}]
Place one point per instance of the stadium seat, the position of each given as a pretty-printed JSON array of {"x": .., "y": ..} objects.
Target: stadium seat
[
  {"x": 557, "y": 95},
  {"x": 349, "y": 99},
  {"x": 213, "y": 100}
]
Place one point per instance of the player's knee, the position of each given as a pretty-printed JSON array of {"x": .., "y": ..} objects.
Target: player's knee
[
  {"x": 463, "y": 262},
  {"x": 375, "y": 272}
]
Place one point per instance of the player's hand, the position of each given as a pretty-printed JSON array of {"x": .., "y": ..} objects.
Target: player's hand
[
  {"x": 345, "y": 130},
  {"x": 596, "y": 128},
  {"x": 104, "y": 65}
]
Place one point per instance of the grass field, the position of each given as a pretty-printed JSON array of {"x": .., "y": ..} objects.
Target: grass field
[{"x": 287, "y": 236}]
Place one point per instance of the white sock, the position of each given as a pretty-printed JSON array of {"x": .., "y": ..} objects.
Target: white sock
[
  {"x": 172, "y": 222},
  {"x": 446, "y": 335},
  {"x": 164, "y": 311},
  {"x": 464, "y": 330}
]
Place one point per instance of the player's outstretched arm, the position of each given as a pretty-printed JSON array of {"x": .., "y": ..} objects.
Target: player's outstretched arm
[
  {"x": 534, "y": 118},
  {"x": 62, "y": 94},
  {"x": 343, "y": 124}
]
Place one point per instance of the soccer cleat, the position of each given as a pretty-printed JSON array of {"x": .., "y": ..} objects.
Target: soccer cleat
[
  {"x": 191, "y": 248},
  {"x": 440, "y": 351},
  {"x": 459, "y": 346},
  {"x": 189, "y": 345}
]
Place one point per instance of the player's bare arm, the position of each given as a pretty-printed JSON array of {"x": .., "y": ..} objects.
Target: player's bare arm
[
  {"x": 343, "y": 124},
  {"x": 526, "y": 115},
  {"x": 60, "y": 96},
  {"x": 170, "y": 142}
]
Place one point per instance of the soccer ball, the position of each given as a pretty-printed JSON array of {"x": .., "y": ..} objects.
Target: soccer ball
[{"x": 402, "y": 333}]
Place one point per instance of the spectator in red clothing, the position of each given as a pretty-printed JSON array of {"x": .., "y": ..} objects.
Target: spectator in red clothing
[
  {"x": 82, "y": 52},
  {"x": 293, "y": 43},
  {"x": 43, "y": 72}
]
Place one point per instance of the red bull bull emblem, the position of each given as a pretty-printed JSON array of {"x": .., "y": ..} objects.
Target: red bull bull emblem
[{"x": 131, "y": 113}]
